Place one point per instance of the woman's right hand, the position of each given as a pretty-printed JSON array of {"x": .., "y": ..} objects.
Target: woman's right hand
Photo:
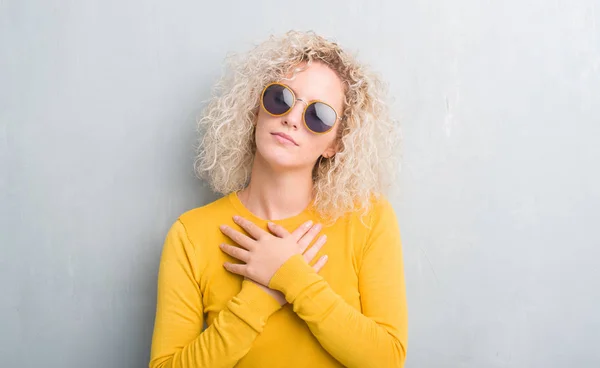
[{"x": 307, "y": 236}]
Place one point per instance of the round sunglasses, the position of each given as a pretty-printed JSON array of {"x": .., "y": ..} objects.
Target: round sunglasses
[{"x": 278, "y": 99}]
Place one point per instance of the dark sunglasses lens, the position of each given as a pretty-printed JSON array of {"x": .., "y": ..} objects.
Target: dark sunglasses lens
[
  {"x": 277, "y": 99},
  {"x": 319, "y": 117}
]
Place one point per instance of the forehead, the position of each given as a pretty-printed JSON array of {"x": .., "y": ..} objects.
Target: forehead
[{"x": 317, "y": 82}]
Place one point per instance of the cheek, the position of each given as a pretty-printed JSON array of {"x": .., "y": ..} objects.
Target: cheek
[
  {"x": 265, "y": 124},
  {"x": 317, "y": 144},
  {"x": 262, "y": 118}
]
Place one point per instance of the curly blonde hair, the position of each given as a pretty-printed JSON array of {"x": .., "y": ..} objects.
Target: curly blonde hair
[{"x": 367, "y": 160}]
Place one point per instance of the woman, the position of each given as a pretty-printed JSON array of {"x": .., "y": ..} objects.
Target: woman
[{"x": 300, "y": 263}]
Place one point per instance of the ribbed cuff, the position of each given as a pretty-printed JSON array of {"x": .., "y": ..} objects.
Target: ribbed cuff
[
  {"x": 294, "y": 276},
  {"x": 258, "y": 299},
  {"x": 253, "y": 305}
]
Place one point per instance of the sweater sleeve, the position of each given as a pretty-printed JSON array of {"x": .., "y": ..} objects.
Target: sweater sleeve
[
  {"x": 377, "y": 337},
  {"x": 178, "y": 339}
]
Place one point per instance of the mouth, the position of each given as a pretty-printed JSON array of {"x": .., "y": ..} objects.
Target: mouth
[{"x": 286, "y": 138}]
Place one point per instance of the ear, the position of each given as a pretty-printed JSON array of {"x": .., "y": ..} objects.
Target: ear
[{"x": 331, "y": 151}]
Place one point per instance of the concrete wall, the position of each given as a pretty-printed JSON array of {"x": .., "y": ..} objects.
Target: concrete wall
[{"x": 500, "y": 197}]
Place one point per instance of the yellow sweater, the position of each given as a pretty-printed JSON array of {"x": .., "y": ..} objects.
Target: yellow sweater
[{"x": 352, "y": 313}]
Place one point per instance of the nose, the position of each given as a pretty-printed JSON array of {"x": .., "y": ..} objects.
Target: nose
[{"x": 294, "y": 117}]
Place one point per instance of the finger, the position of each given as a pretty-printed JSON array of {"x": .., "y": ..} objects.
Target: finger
[
  {"x": 238, "y": 237},
  {"x": 250, "y": 227},
  {"x": 312, "y": 252},
  {"x": 307, "y": 238},
  {"x": 320, "y": 263},
  {"x": 301, "y": 230},
  {"x": 236, "y": 252},
  {"x": 239, "y": 269},
  {"x": 278, "y": 230}
]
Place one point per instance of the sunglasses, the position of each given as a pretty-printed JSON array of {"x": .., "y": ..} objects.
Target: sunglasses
[{"x": 278, "y": 99}]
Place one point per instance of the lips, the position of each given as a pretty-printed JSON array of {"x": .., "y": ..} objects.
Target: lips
[{"x": 283, "y": 135}]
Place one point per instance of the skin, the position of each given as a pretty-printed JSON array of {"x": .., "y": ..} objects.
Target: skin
[{"x": 281, "y": 182}]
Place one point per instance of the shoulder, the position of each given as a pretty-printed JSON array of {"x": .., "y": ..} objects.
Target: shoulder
[
  {"x": 369, "y": 222},
  {"x": 210, "y": 210},
  {"x": 381, "y": 205},
  {"x": 383, "y": 232},
  {"x": 379, "y": 209},
  {"x": 203, "y": 221}
]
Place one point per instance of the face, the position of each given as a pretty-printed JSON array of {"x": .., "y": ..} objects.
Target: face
[{"x": 317, "y": 82}]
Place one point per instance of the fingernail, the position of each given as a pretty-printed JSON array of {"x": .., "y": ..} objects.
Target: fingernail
[
  {"x": 270, "y": 224},
  {"x": 236, "y": 218},
  {"x": 309, "y": 223},
  {"x": 222, "y": 227},
  {"x": 318, "y": 227}
]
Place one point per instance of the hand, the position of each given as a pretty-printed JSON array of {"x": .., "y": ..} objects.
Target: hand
[
  {"x": 263, "y": 253},
  {"x": 278, "y": 295}
]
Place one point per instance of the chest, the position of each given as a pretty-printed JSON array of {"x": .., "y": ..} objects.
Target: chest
[{"x": 343, "y": 248}]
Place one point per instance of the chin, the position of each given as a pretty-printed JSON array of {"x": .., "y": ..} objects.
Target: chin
[{"x": 278, "y": 157}]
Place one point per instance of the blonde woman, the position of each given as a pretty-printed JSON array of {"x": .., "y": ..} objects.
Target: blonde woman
[{"x": 299, "y": 264}]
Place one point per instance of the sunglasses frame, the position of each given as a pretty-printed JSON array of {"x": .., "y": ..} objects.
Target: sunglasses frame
[{"x": 262, "y": 104}]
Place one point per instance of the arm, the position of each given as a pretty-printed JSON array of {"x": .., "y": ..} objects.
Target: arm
[
  {"x": 378, "y": 336},
  {"x": 178, "y": 339}
]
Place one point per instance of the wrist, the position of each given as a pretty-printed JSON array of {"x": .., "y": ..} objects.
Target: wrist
[
  {"x": 292, "y": 277},
  {"x": 257, "y": 298}
]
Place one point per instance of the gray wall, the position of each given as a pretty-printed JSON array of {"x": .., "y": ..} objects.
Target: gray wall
[{"x": 500, "y": 186}]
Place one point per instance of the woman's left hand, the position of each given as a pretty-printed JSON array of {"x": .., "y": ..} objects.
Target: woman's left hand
[{"x": 264, "y": 253}]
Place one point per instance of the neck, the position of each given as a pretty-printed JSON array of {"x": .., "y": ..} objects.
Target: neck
[{"x": 273, "y": 194}]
